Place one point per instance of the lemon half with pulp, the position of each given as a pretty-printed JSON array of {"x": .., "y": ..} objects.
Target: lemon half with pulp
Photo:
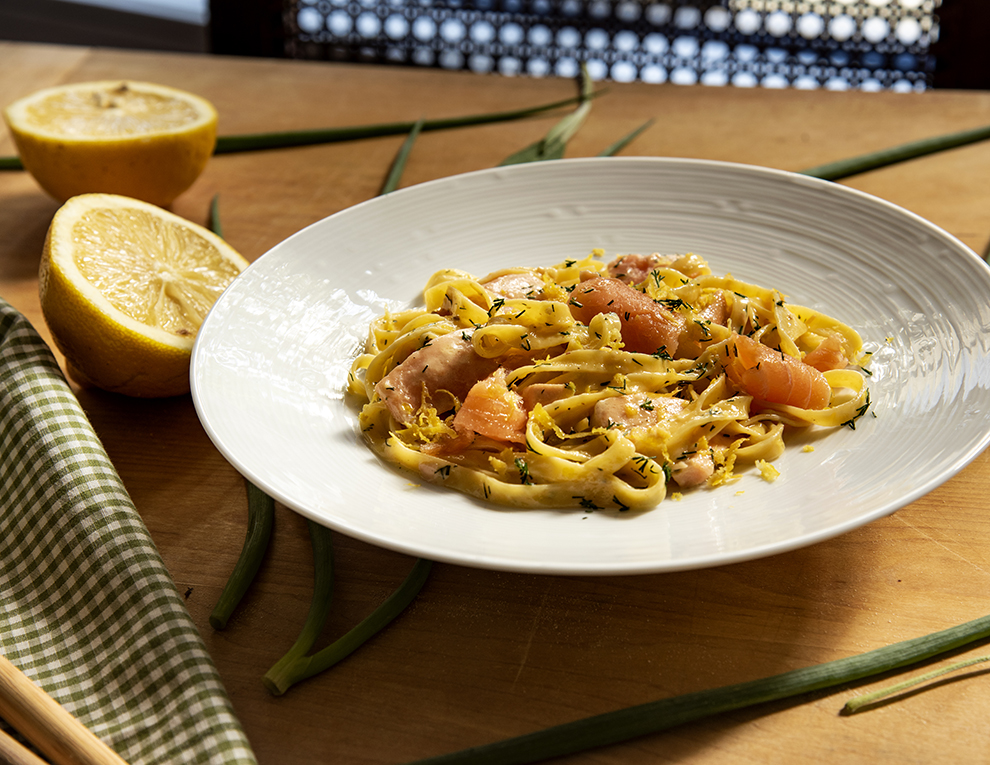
[
  {"x": 124, "y": 288},
  {"x": 137, "y": 139}
]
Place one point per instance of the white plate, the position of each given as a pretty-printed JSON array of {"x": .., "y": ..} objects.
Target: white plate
[{"x": 271, "y": 359}]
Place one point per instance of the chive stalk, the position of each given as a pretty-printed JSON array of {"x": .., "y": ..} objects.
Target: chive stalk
[
  {"x": 214, "y": 222},
  {"x": 261, "y": 516},
  {"x": 284, "y": 672},
  {"x": 844, "y": 168},
  {"x": 655, "y": 716},
  {"x": 279, "y": 140},
  {"x": 552, "y": 145},
  {"x": 615, "y": 148},
  {"x": 296, "y": 666},
  {"x": 399, "y": 164},
  {"x": 867, "y": 700}
]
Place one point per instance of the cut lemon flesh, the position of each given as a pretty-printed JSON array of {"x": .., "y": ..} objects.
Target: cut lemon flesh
[
  {"x": 124, "y": 288},
  {"x": 132, "y": 138},
  {"x": 157, "y": 272}
]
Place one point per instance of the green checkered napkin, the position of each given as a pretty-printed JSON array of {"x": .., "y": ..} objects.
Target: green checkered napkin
[{"x": 89, "y": 611}]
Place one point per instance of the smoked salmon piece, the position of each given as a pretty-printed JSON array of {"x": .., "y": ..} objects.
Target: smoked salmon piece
[
  {"x": 446, "y": 366},
  {"x": 828, "y": 355},
  {"x": 772, "y": 377},
  {"x": 697, "y": 335},
  {"x": 491, "y": 409},
  {"x": 543, "y": 393},
  {"x": 647, "y": 326},
  {"x": 636, "y": 269},
  {"x": 635, "y": 410},
  {"x": 515, "y": 284}
]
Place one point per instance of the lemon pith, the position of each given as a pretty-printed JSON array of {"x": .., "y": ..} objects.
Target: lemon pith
[
  {"x": 124, "y": 287},
  {"x": 136, "y": 139}
]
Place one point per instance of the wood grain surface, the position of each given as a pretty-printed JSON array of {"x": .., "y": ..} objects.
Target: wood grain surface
[{"x": 483, "y": 655}]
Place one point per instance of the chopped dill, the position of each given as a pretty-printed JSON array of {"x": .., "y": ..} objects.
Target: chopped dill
[
  {"x": 523, "y": 469},
  {"x": 674, "y": 304},
  {"x": 851, "y": 422}
]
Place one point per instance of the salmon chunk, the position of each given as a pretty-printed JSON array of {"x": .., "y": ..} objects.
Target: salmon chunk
[
  {"x": 635, "y": 410},
  {"x": 446, "y": 366},
  {"x": 543, "y": 393},
  {"x": 772, "y": 377},
  {"x": 647, "y": 326},
  {"x": 515, "y": 284},
  {"x": 491, "y": 409},
  {"x": 828, "y": 355},
  {"x": 635, "y": 269}
]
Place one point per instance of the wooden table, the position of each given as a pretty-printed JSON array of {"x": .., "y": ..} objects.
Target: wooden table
[{"x": 484, "y": 655}]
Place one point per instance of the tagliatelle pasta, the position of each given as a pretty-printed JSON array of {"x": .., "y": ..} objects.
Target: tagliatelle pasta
[{"x": 600, "y": 386}]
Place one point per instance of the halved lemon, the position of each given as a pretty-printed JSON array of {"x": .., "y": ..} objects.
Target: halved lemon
[
  {"x": 137, "y": 139},
  {"x": 125, "y": 286}
]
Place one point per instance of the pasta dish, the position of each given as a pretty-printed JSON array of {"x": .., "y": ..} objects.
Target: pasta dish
[{"x": 600, "y": 385}]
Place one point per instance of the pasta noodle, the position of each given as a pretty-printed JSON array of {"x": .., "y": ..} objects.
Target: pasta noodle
[{"x": 600, "y": 385}]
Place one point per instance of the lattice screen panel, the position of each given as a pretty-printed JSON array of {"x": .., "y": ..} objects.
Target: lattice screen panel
[{"x": 841, "y": 44}]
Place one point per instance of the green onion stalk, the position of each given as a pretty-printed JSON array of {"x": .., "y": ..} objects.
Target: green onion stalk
[
  {"x": 844, "y": 168},
  {"x": 261, "y": 516},
  {"x": 870, "y": 700},
  {"x": 297, "y": 664},
  {"x": 656, "y": 716}
]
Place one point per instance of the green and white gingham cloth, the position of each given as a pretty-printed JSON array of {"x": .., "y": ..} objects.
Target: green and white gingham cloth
[{"x": 87, "y": 608}]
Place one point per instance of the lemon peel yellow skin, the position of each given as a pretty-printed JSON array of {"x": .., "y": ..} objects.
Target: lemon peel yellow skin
[
  {"x": 136, "y": 139},
  {"x": 114, "y": 273}
]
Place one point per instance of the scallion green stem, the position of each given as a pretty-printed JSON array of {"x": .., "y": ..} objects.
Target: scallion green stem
[
  {"x": 553, "y": 144},
  {"x": 844, "y": 168},
  {"x": 295, "y": 666},
  {"x": 284, "y": 672},
  {"x": 215, "y": 225},
  {"x": 278, "y": 140},
  {"x": 615, "y": 148},
  {"x": 656, "y": 716},
  {"x": 261, "y": 515},
  {"x": 399, "y": 164},
  {"x": 859, "y": 703}
]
